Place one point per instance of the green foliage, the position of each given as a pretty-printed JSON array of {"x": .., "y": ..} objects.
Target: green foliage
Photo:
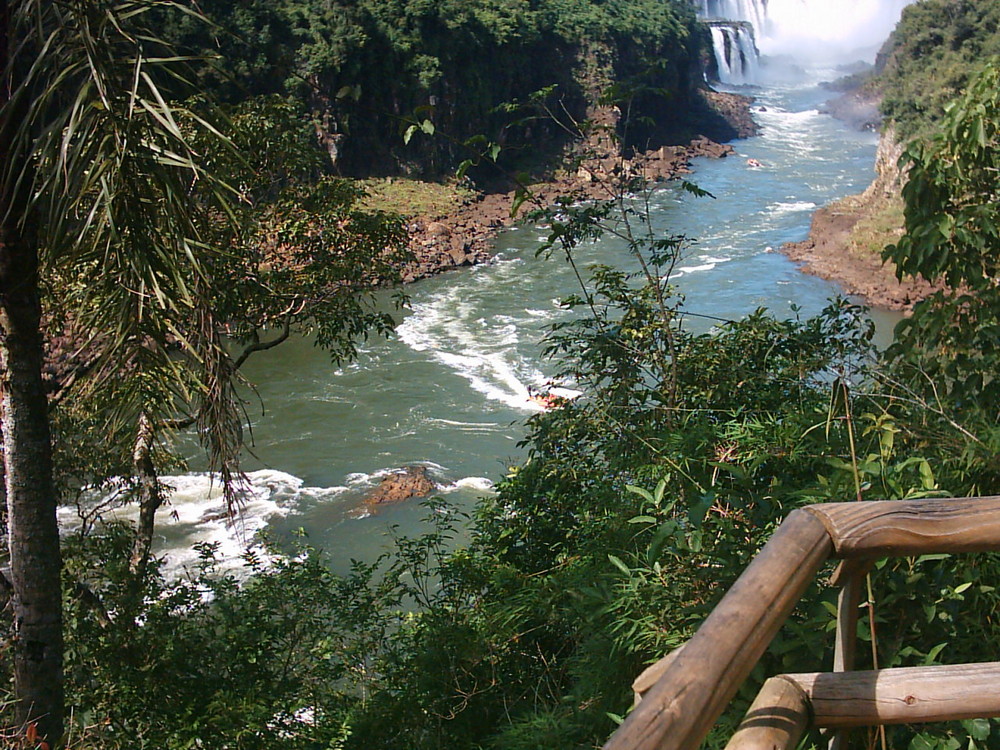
[
  {"x": 952, "y": 183},
  {"x": 952, "y": 233},
  {"x": 453, "y": 62},
  {"x": 215, "y": 661},
  {"x": 636, "y": 507},
  {"x": 934, "y": 53},
  {"x": 293, "y": 252}
]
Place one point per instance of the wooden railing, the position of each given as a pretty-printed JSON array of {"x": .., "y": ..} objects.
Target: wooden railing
[{"x": 681, "y": 696}]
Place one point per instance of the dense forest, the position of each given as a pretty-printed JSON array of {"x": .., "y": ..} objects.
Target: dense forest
[
  {"x": 167, "y": 258},
  {"x": 365, "y": 70},
  {"x": 930, "y": 59}
]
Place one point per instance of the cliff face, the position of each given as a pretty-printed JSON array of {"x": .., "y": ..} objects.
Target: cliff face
[
  {"x": 511, "y": 72},
  {"x": 495, "y": 94},
  {"x": 888, "y": 182}
]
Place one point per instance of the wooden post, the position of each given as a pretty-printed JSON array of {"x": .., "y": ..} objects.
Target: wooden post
[
  {"x": 695, "y": 688},
  {"x": 912, "y": 695},
  {"x": 850, "y": 576},
  {"x": 777, "y": 719}
]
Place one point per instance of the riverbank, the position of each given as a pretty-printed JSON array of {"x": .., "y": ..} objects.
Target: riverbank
[
  {"x": 456, "y": 232},
  {"x": 844, "y": 246}
]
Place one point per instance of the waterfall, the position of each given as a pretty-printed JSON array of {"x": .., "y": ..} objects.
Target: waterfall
[
  {"x": 837, "y": 30},
  {"x": 753, "y": 12},
  {"x": 735, "y": 52}
]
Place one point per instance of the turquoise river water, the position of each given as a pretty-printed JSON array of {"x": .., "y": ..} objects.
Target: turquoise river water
[{"x": 449, "y": 390}]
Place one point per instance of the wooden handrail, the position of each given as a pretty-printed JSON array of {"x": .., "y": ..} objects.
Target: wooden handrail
[
  {"x": 695, "y": 688},
  {"x": 694, "y": 684},
  {"x": 909, "y": 695},
  {"x": 897, "y": 528}
]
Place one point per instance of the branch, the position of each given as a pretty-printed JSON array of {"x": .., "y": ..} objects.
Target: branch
[
  {"x": 93, "y": 602},
  {"x": 259, "y": 346}
]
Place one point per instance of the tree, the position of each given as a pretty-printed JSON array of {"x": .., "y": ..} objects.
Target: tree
[
  {"x": 294, "y": 254},
  {"x": 110, "y": 200},
  {"x": 953, "y": 235}
]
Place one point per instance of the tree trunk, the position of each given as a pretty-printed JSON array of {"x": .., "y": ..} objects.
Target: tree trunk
[
  {"x": 32, "y": 531},
  {"x": 150, "y": 496},
  {"x": 33, "y": 534}
]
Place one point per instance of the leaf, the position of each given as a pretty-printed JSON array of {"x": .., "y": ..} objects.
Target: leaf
[
  {"x": 933, "y": 557},
  {"x": 620, "y": 565},
  {"x": 463, "y": 168},
  {"x": 978, "y": 729},
  {"x": 923, "y": 742},
  {"x": 698, "y": 511},
  {"x": 641, "y": 492},
  {"x": 932, "y": 655}
]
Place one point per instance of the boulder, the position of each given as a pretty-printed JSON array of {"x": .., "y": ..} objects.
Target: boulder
[
  {"x": 438, "y": 229},
  {"x": 401, "y": 485}
]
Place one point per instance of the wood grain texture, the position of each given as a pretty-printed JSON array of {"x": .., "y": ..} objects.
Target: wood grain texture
[
  {"x": 911, "y": 695},
  {"x": 911, "y": 527},
  {"x": 777, "y": 719},
  {"x": 652, "y": 674},
  {"x": 681, "y": 707},
  {"x": 850, "y": 576}
]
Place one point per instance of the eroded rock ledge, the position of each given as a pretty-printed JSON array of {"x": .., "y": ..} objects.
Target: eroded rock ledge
[{"x": 465, "y": 237}]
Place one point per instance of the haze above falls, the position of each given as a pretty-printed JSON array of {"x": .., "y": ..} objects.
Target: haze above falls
[{"x": 805, "y": 30}]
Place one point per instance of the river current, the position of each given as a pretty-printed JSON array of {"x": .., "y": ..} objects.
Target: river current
[{"x": 449, "y": 390}]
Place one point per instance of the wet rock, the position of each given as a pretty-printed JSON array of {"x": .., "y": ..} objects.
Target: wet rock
[{"x": 409, "y": 482}]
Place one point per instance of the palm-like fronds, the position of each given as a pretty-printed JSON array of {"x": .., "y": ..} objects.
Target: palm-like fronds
[{"x": 102, "y": 162}]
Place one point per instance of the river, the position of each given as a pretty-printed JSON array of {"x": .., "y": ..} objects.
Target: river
[{"x": 449, "y": 390}]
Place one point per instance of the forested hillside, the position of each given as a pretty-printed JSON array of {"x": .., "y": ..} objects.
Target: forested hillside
[
  {"x": 938, "y": 47},
  {"x": 366, "y": 69},
  {"x": 936, "y": 50}
]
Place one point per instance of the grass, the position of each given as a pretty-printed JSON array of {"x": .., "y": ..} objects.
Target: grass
[
  {"x": 413, "y": 198},
  {"x": 881, "y": 224}
]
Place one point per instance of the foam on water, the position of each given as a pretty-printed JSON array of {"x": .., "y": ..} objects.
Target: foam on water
[
  {"x": 195, "y": 512},
  {"x": 482, "y": 350},
  {"x": 479, "y": 484},
  {"x": 788, "y": 208}
]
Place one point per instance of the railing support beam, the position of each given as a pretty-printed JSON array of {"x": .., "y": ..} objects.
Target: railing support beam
[
  {"x": 910, "y": 695},
  {"x": 777, "y": 719}
]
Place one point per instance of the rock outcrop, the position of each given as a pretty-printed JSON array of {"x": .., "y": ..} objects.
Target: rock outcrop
[{"x": 405, "y": 484}]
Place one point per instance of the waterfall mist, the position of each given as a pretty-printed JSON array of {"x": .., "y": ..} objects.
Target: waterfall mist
[
  {"x": 834, "y": 31},
  {"x": 842, "y": 30}
]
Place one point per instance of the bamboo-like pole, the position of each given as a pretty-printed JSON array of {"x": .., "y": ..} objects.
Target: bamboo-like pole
[
  {"x": 777, "y": 719},
  {"x": 695, "y": 688},
  {"x": 912, "y": 527},
  {"x": 911, "y": 695}
]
